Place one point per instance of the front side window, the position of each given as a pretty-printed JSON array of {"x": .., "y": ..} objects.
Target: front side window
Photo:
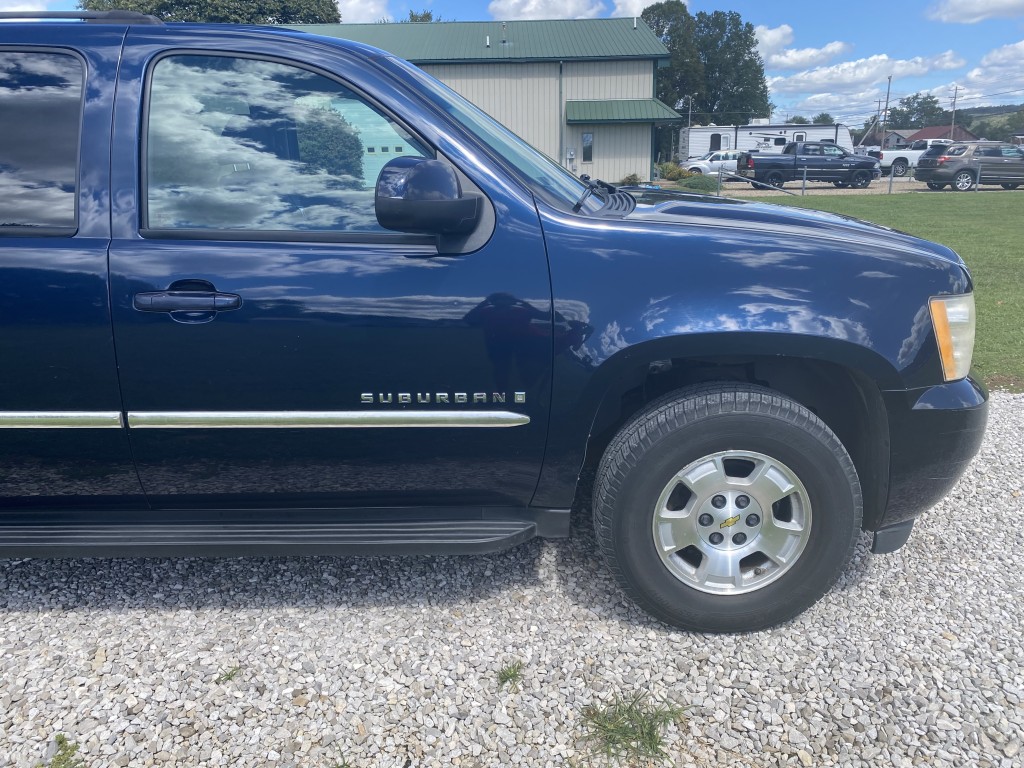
[
  {"x": 1014, "y": 153},
  {"x": 834, "y": 151},
  {"x": 588, "y": 147},
  {"x": 244, "y": 144},
  {"x": 40, "y": 119}
]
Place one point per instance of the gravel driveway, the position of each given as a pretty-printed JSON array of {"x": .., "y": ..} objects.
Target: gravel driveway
[{"x": 914, "y": 659}]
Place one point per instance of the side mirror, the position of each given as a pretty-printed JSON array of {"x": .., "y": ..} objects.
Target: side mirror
[{"x": 425, "y": 197}]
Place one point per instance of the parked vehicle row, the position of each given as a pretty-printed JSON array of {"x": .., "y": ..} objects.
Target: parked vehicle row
[
  {"x": 963, "y": 166},
  {"x": 899, "y": 160}
]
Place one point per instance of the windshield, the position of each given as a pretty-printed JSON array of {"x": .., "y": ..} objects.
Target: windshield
[{"x": 543, "y": 175}]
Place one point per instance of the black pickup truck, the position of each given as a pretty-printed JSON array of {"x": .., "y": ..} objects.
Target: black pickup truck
[
  {"x": 821, "y": 160},
  {"x": 228, "y": 330}
]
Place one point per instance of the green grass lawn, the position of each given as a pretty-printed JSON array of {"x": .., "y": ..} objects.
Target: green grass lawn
[{"x": 987, "y": 230}]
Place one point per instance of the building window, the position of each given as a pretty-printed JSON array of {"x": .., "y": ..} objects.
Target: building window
[
  {"x": 799, "y": 136},
  {"x": 370, "y": 150},
  {"x": 588, "y": 147}
]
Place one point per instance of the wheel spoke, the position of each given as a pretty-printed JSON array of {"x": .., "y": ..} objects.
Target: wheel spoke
[
  {"x": 770, "y": 484},
  {"x": 706, "y": 478},
  {"x": 719, "y": 569},
  {"x": 778, "y": 537},
  {"x": 675, "y": 531}
]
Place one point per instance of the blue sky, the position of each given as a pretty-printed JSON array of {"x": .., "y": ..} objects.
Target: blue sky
[{"x": 819, "y": 56}]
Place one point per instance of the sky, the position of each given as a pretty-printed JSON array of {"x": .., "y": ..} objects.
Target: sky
[{"x": 819, "y": 56}]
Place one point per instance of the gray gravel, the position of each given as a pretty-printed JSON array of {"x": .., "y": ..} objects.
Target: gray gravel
[{"x": 913, "y": 659}]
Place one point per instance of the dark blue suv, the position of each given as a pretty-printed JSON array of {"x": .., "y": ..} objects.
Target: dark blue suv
[{"x": 263, "y": 292}]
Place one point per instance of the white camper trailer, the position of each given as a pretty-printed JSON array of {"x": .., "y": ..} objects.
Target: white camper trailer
[{"x": 757, "y": 137}]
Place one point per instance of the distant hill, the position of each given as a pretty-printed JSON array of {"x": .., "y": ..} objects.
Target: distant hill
[{"x": 995, "y": 123}]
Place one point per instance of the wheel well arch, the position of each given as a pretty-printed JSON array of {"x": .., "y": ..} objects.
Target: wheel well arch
[{"x": 845, "y": 398}]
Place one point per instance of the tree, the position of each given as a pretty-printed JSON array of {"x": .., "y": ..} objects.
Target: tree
[
  {"x": 735, "y": 88},
  {"x": 683, "y": 78},
  {"x": 918, "y": 111},
  {"x": 823, "y": 118},
  {"x": 799, "y": 120},
  {"x": 227, "y": 11},
  {"x": 422, "y": 16},
  {"x": 328, "y": 143}
]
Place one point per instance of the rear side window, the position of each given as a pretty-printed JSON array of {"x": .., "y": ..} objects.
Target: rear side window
[
  {"x": 40, "y": 121},
  {"x": 956, "y": 151},
  {"x": 241, "y": 144}
]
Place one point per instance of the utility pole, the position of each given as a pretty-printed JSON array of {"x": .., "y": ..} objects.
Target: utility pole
[
  {"x": 952, "y": 123},
  {"x": 885, "y": 113}
]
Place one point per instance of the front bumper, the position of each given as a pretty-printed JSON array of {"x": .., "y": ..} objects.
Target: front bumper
[{"x": 934, "y": 434}]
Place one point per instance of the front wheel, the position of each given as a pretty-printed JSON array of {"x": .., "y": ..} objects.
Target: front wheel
[
  {"x": 963, "y": 181},
  {"x": 860, "y": 179},
  {"x": 726, "y": 508},
  {"x": 1009, "y": 186},
  {"x": 935, "y": 185},
  {"x": 696, "y": 171}
]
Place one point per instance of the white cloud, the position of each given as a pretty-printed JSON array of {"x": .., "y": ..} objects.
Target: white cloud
[
  {"x": 973, "y": 11},
  {"x": 1000, "y": 67},
  {"x": 8, "y": 5},
  {"x": 356, "y": 11},
  {"x": 772, "y": 42},
  {"x": 630, "y": 7},
  {"x": 546, "y": 9},
  {"x": 850, "y": 76}
]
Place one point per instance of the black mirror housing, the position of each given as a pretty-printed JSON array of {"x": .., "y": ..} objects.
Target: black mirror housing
[{"x": 424, "y": 196}]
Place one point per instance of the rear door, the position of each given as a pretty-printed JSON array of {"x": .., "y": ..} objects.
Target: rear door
[
  {"x": 325, "y": 362},
  {"x": 62, "y": 442}
]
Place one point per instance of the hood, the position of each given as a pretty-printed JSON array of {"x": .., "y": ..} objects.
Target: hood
[{"x": 670, "y": 207}]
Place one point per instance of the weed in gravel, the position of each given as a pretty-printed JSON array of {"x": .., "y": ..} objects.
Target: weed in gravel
[
  {"x": 629, "y": 731},
  {"x": 64, "y": 757},
  {"x": 511, "y": 675},
  {"x": 228, "y": 676}
]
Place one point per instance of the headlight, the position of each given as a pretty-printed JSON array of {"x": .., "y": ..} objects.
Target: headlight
[{"x": 953, "y": 320}]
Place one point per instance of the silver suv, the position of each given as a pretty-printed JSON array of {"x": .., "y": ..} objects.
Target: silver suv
[{"x": 964, "y": 166}]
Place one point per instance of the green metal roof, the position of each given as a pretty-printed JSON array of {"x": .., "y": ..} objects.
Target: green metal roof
[
  {"x": 619, "y": 111},
  {"x": 466, "y": 41}
]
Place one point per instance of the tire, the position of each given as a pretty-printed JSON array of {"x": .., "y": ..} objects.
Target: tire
[
  {"x": 899, "y": 167},
  {"x": 1009, "y": 186},
  {"x": 696, "y": 171},
  {"x": 935, "y": 185},
  {"x": 732, "y": 440},
  {"x": 775, "y": 179},
  {"x": 840, "y": 184},
  {"x": 963, "y": 181},
  {"x": 859, "y": 180}
]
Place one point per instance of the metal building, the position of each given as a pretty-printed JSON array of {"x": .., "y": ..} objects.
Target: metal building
[{"x": 581, "y": 91}]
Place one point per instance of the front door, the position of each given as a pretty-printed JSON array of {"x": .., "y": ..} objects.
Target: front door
[{"x": 277, "y": 347}]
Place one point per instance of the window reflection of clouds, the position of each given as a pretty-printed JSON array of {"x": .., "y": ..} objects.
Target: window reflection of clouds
[
  {"x": 223, "y": 151},
  {"x": 40, "y": 102}
]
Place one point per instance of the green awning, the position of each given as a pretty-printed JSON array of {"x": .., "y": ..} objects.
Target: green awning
[{"x": 619, "y": 111}]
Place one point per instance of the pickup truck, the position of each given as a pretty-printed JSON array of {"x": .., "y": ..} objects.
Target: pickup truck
[
  {"x": 228, "y": 330},
  {"x": 898, "y": 160},
  {"x": 822, "y": 161}
]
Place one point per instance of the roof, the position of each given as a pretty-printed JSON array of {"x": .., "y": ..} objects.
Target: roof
[
  {"x": 619, "y": 111},
  {"x": 942, "y": 132},
  {"x": 904, "y": 132},
  {"x": 466, "y": 41}
]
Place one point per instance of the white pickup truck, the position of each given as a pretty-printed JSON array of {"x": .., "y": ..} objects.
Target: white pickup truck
[{"x": 899, "y": 160}]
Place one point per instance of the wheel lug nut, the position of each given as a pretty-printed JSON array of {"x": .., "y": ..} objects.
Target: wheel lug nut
[
  {"x": 739, "y": 538},
  {"x": 716, "y": 538},
  {"x": 705, "y": 519},
  {"x": 742, "y": 502},
  {"x": 753, "y": 520},
  {"x": 718, "y": 502}
]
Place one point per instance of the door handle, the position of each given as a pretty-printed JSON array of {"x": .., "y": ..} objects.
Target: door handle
[{"x": 186, "y": 301}]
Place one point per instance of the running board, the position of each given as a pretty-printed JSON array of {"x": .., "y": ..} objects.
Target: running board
[{"x": 400, "y": 537}]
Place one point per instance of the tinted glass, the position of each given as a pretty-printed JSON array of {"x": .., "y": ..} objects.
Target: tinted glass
[
  {"x": 242, "y": 144},
  {"x": 1011, "y": 152},
  {"x": 955, "y": 151},
  {"x": 40, "y": 118}
]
